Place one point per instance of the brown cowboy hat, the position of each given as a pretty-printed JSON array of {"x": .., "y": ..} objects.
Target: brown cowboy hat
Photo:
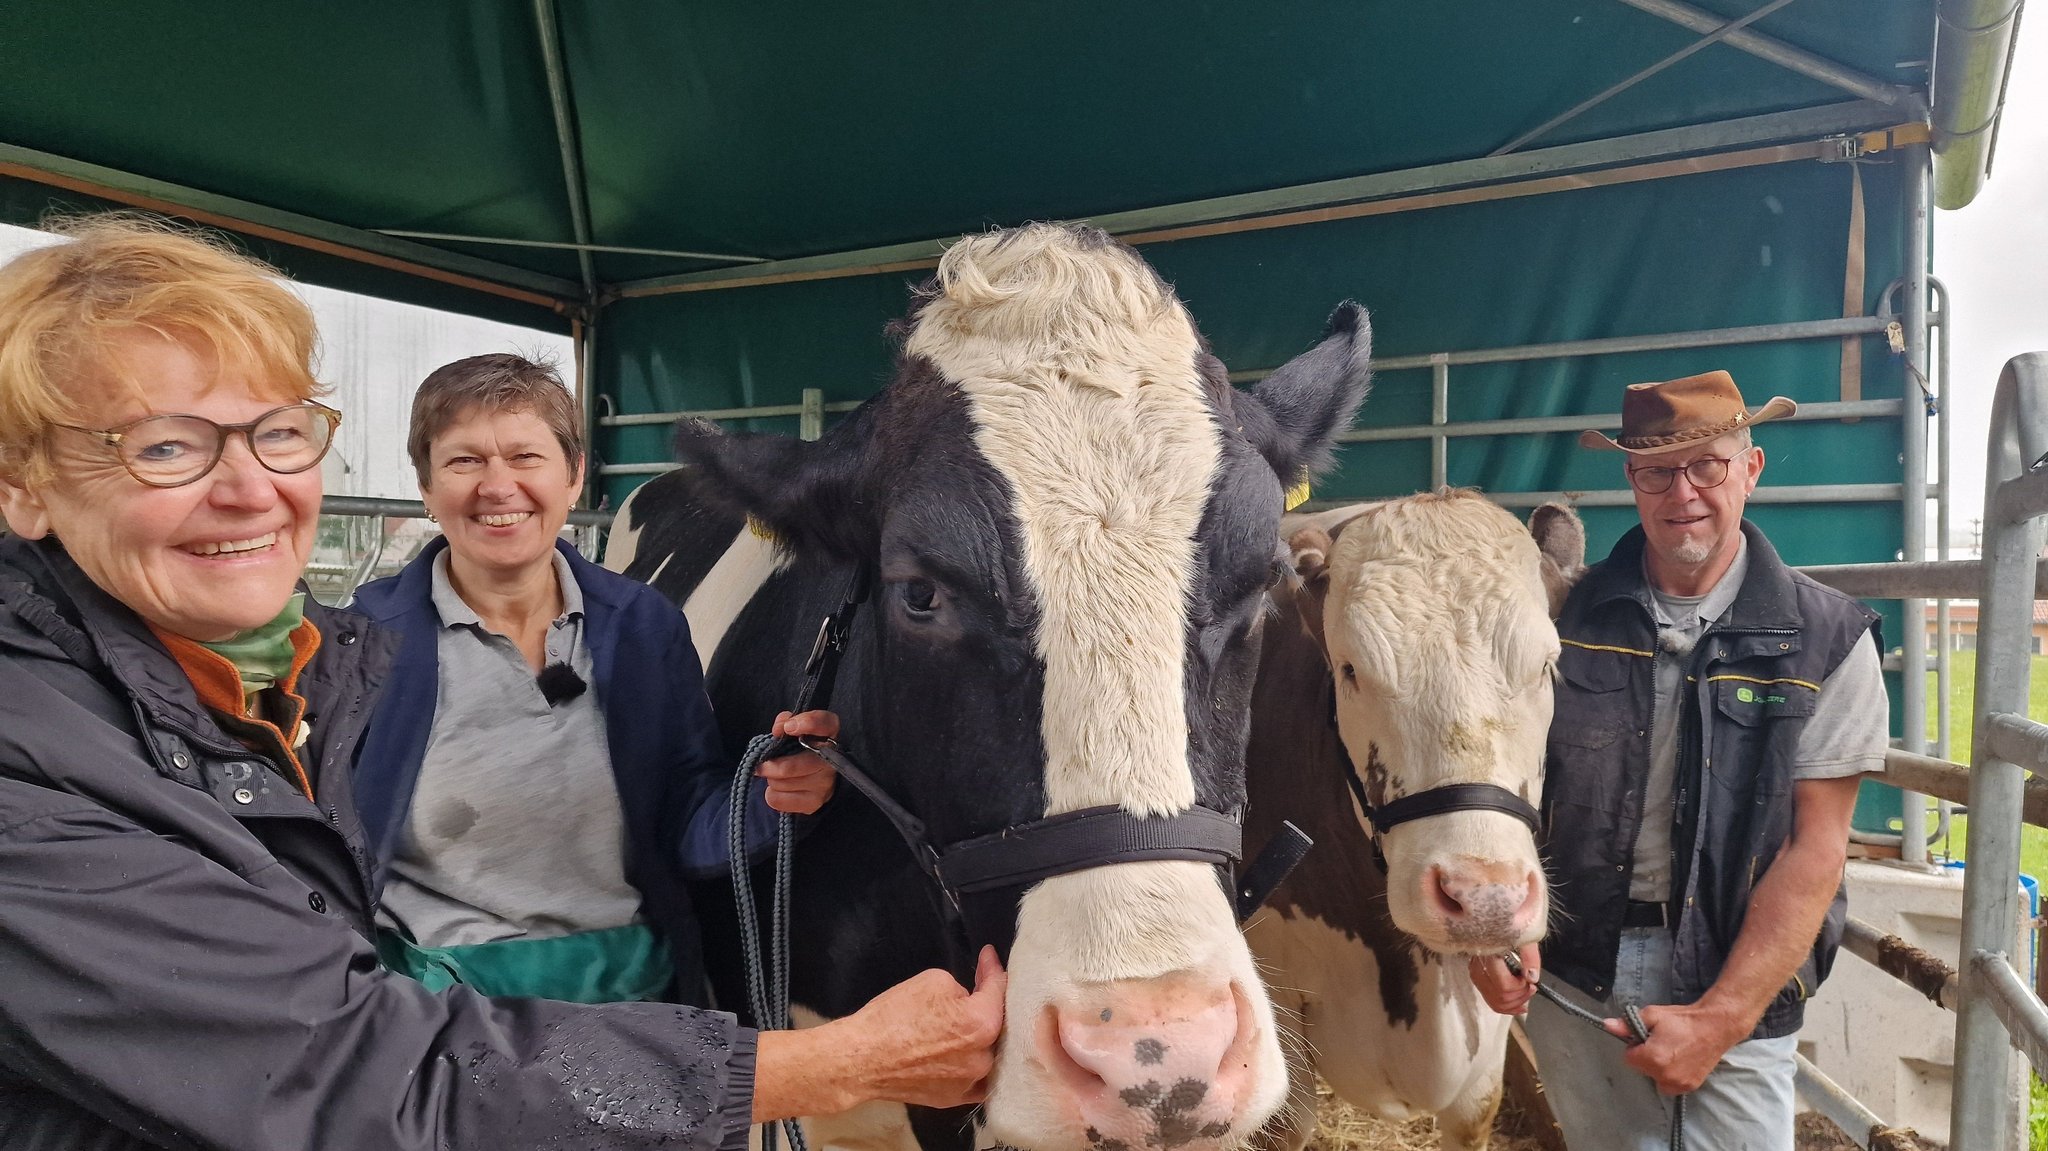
[{"x": 1660, "y": 417}]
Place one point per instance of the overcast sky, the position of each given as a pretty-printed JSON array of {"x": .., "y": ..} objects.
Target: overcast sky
[{"x": 1993, "y": 257}]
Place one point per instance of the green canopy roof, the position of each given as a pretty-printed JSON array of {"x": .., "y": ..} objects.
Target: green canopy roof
[{"x": 722, "y": 133}]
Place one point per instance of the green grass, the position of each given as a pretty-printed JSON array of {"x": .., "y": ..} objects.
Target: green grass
[
  {"x": 2033, "y": 840},
  {"x": 1962, "y": 699}
]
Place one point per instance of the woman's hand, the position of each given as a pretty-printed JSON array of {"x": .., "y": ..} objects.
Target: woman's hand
[
  {"x": 800, "y": 784},
  {"x": 927, "y": 1041}
]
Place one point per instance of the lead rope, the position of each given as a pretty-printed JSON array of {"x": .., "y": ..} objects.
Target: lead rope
[
  {"x": 1630, "y": 1014},
  {"x": 767, "y": 991}
]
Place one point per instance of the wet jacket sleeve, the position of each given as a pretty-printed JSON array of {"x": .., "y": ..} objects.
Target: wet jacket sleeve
[{"x": 194, "y": 1005}]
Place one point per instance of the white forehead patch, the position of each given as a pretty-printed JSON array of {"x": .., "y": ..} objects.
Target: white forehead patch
[
  {"x": 1439, "y": 593},
  {"x": 1079, "y": 368}
]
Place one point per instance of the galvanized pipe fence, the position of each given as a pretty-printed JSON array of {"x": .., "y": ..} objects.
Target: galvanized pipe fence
[{"x": 1997, "y": 1010}]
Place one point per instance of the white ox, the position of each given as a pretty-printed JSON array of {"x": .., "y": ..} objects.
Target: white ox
[{"x": 1419, "y": 639}]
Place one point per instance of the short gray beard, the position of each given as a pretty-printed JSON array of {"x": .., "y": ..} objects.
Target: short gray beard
[{"x": 1692, "y": 552}]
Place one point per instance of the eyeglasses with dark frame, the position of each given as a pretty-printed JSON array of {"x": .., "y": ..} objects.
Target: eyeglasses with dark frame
[
  {"x": 172, "y": 450},
  {"x": 1703, "y": 473}
]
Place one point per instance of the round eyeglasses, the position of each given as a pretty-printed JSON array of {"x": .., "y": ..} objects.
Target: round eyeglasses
[
  {"x": 171, "y": 451},
  {"x": 1703, "y": 473}
]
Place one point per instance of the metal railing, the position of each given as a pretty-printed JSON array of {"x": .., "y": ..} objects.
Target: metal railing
[
  {"x": 810, "y": 413},
  {"x": 364, "y": 552},
  {"x": 1997, "y": 1010}
]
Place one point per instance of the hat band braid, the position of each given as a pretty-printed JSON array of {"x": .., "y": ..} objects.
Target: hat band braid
[{"x": 1685, "y": 437}]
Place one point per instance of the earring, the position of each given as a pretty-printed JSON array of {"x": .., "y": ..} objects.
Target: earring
[{"x": 432, "y": 519}]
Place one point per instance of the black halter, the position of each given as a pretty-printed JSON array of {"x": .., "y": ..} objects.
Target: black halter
[
  {"x": 1025, "y": 853},
  {"x": 1435, "y": 801}
]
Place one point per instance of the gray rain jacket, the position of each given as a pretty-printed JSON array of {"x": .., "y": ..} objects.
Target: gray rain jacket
[{"x": 184, "y": 954}]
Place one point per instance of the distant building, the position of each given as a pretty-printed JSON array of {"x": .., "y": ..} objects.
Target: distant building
[{"x": 1962, "y": 621}]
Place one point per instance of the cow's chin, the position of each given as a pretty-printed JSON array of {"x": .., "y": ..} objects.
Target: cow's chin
[
  {"x": 1466, "y": 883},
  {"x": 1135, "y": 1018}
]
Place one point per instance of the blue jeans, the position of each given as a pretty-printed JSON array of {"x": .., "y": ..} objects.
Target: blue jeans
[{"x": 1603, "y": 1104}]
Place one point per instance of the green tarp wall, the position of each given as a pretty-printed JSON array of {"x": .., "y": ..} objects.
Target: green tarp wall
[{"x": 777, "y": 130}]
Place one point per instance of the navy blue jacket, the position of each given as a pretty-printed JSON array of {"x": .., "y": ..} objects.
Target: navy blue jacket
[{"x": 666, "y": 757}]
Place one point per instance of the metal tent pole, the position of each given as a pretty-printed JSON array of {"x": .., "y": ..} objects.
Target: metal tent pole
[{"x": 1944, "y": 656}]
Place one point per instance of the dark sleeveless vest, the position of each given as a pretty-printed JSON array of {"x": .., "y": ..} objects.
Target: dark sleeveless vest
[{"x": 1754, "y": 680}]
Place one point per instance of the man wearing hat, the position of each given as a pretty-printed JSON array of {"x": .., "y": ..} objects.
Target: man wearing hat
[{"x": 1714, "y": 709}]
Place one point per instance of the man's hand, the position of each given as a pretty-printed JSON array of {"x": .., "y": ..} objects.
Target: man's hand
[
  {"x": 800, "y": 784},
  {"x": 1503, "y": 990},
  {"x": 926, "y": 1041},
  {"x": 1684, "y": 1046}
]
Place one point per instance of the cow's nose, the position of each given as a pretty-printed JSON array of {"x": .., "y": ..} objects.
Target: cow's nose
[
  {"x": 1154, "y": 1063},
  {"x": 1487, "y": 903}
]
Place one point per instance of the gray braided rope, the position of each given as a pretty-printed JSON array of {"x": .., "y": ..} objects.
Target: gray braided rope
[{"x": 767, "y": 991}]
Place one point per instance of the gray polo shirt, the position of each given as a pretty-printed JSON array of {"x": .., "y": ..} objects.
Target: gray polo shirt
[
  {"x": 515, "y": 830},
  {"x": 1846, "y": 735}
]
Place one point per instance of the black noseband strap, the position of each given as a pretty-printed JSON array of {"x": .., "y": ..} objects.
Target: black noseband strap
[
  {"x": 1056, "y": 845},
  {"x": 1091, "y": 837},
  {"x": 1449, "y": 798}
]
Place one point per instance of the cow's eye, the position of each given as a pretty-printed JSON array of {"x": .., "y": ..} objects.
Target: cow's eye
[
  {"x": 1350, "y": 675},
  {"x": 918, "y": 595}
]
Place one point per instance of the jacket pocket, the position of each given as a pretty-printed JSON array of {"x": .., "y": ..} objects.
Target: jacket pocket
[{"x": 1591, "y": 711}]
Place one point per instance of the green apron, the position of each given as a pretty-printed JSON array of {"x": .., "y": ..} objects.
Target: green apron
[{"x": 616, "y": 965}]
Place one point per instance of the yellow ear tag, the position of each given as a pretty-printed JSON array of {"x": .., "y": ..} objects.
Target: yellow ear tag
[
  {"x": 1297, "y": 496},
  {"x": 760, "y": 530}
]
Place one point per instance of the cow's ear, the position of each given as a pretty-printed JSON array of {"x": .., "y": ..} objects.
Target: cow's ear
[
  {"x": 809, "y": 495},
  {"x": 1561, "y": 537},
  {"x": 1294, "y": 415}
]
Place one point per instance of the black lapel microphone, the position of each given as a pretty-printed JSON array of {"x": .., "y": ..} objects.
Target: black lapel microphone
[{"x": 559, "y": 683}]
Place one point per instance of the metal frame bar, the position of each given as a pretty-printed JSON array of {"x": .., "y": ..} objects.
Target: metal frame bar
[
  {"x": 1610, "y": 345},
  {"x": 1830, "y": 1099},
  {"x": 1944, "y": 656},
  {"x": 1951, "y": 781},
  {"x": 1537, "y": 425},
  {"x": 1929, "y": 579},
  {"x": 1807, "y": 64},
  {"x": 557, "y": 245},
  {"x": 1913, "y": 464},
  {"x": 1994, "y": 983},
  {"x": 762, "y": 411},
  {"x": 565, "y": 140},
  {"x": 1801, "y": 124},
  {"x": 375, "y": 506},
  {"x": 1620, "y": 86},
  {"x": 269, "y": 223},
  {"x": 1920, "y": 970},
  {"x": 2017, "y": 739},
  {"x": 1980, "y": 1116}
]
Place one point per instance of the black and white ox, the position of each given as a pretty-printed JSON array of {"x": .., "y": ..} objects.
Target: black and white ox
[
  {"x": 1070, "y": 517},
  {"x": 1418, "y": 640}
]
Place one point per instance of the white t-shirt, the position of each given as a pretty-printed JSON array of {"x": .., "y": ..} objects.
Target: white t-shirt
[{"x": 1846, "y": 735}]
